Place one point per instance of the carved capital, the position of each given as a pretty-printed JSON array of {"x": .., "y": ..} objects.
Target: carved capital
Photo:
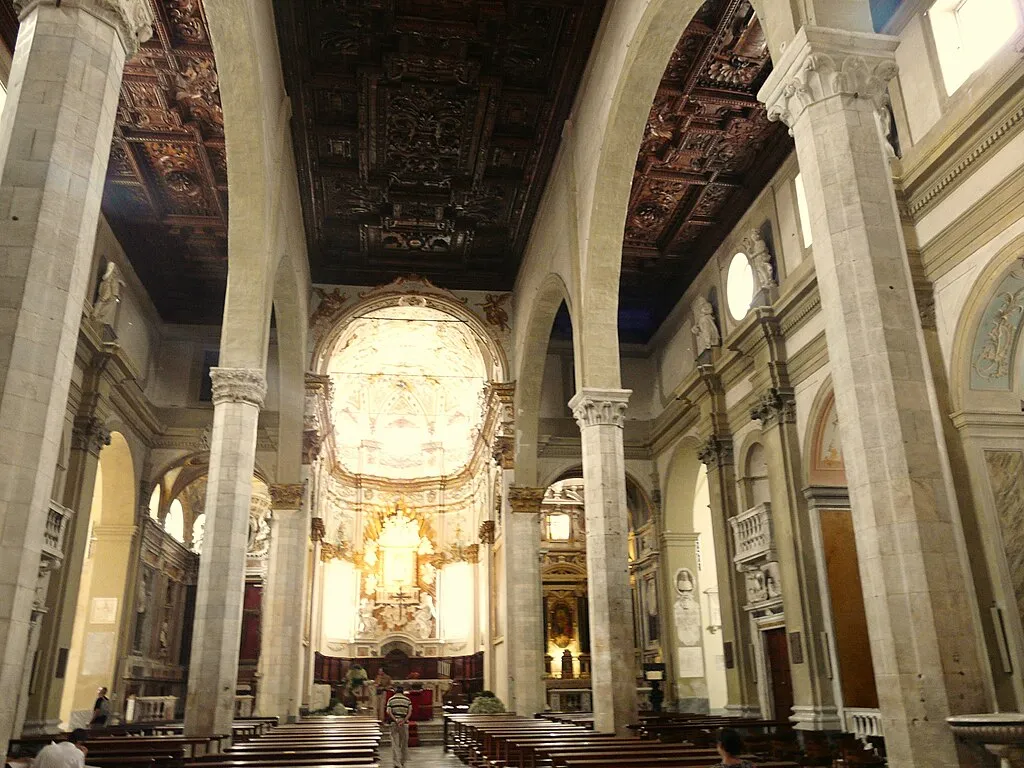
[
  {"x": 487, "y": 530},
  {"x": 317, "y": 530},
  {"x": 715, "y": 452},
  {"x": 504, "y": 451},
  {"x": 89, "y": 434},
  {"x": 312, "y": 442},
  {"x": 926, "y": 307},
  {"x": 776, "y": 406},
  {"x": 600, "y": 407},
  {"x": 133, "y": 19},
  {"x": 523, "y": 499},
  {"x": 286, "y": 495},
  {"x": 821, "y": 63},
  {"x": 239, "y": 385},
  {"x": 319, "y": 384}
]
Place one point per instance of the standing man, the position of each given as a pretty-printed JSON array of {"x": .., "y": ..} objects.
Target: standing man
[
  {"x": 101, "y": 709},
  {"x": 399, "y": 708}
]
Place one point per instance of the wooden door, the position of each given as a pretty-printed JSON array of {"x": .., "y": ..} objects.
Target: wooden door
[{"x": 776, "y": 654}]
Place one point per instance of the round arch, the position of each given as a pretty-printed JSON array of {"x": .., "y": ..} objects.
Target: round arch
[
  {"x": 681, "y": 480},
  {"x": 823, "y": 451}
]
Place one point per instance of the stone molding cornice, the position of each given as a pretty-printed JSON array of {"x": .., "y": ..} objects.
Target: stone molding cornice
[
  {"x": 239, "y": 385},
  {"x": 716, "y": 452},
  {"x": 286, "y": 495},
  {"x": 89, "y": 434},
  {"x": 593, "y": 407},
  {"x": 671, "y": 539},
  {"x": 821, "y": 63},
  {"x": 133, "y": 19},
  {"x": 525, "y": 500},
  {"x": 827, "y": 496},
  {"x": 774, "y": 407}
]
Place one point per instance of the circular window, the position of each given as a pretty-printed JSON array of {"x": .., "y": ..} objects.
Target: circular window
[{"x": 739, "y": 288}]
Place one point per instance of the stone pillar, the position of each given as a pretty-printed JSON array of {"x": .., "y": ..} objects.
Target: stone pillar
[
  {"x": 716, "y": 453},
  {"x": 600, "y": 414},
  {"x": 88, "y": 437},
  {"x": 237, "y": 398},
  {"x": 524, "y": 621},
  {"x": 283, "y": 607},
  {"x": 814, "y": 707},
  {"x": 54, "y": 144},
  {"x": 829, "y": 87}
]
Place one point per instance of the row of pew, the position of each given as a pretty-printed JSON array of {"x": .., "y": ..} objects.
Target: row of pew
[
  {"x": 670, "y": 741},
  {"x": 331, "y": 742}
]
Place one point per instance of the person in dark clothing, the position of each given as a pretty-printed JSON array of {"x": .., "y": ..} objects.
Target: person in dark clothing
[
  {"x": 729, "y": 746},
  {"x": 101, "y": 709}
]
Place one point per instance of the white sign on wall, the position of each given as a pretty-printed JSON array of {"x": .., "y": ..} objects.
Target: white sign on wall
[
  {"x": 98, "y": 654},
  {"x": 690, "y": 661},
  {"x": 103, "y": 610}
]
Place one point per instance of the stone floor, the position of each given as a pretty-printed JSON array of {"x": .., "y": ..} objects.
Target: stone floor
[{"x": 422, "y": 757}]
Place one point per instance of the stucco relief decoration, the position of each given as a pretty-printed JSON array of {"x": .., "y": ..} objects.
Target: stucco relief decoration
[
  {"x": 760, "y": 260},
  {"x": 239, "y": 385},
  {"x": 998, "y": 335},
  {"x": 328, "y": 309},
  {"x": 495, "y": 311},
  {"x": 258, "y": 544},
  {"x": 286, "y": 495},
  {"x": 410, "y": 382},
  {"x": 830, "y": 446},
  {"x": 686, "y": 608},
  {"x": 776, "y": 406}
]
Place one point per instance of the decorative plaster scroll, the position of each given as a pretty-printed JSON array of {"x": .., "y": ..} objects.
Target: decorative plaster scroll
[
  {"x": 600, "y": 407},
  {"x": 286, "y": 495},
  {"x": 133, "y": 19},
  {"x": 317, "y": 530},
  {"x": 239, "y": 385},
  {"x": 821, "y": 63},
  {"x": 312, "y": 442},
  {"x": 776, "y": 406},
  {"x": 487, "y": 532},
  {"x": 524, "y": 499},
  {"x": 90, "y": 435},
  {"x": 715, "y": 452}
]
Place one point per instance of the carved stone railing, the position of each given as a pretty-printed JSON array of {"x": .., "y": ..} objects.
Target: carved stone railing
[
  {"x": 145, "y": 709},
  {"x": 753, "y": 536},
  {"x": 863, "y": 723},
  {"x": 58, "y": 519},
  {"x": 244, "y": 705}
]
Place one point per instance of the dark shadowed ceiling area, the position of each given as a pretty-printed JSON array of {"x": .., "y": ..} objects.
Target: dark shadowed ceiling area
[{"x": 425, "y": 129}]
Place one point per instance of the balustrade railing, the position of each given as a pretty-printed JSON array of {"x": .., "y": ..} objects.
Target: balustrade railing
[
  {"x": 144, "y": 709},
  {"x": 752, "y": 533},
  {"x": 863, "y": 723},
  {"x": 57, "y": 519}
]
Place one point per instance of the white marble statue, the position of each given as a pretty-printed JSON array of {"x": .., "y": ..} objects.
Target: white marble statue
[
  {"x": 423, "y": 617},
  {"x": 760, "y": 261},
  {"x": 367, "y": 621},
  {"x": 704, "y": 328},
  {"x": 104, "y": 310}
]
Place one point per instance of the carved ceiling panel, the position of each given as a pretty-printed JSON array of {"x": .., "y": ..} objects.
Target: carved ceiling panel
[
  {"x": 708, "y": 149},
  {"x": 425, "y": 129}
]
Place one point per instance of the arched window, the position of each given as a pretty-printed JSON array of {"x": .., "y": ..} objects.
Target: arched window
[
  {"x": 739, "y": 286},
  {"x": 154, "y": 503},
  {"x": 174, "y": 523}
]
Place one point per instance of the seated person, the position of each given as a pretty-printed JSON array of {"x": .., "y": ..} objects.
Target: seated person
[
  {"x": 64, "y": 754},
  {"x": 730, "y": 744}
]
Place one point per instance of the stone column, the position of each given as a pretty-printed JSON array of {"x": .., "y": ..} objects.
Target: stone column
[
  {"x": 524, "y": 626},
  {"x": 54, "y": 144},
  {"x": 237, "y": 398},
  {"x": 88, "y": 437},
  {"x": 600, "y": 414},
  {"x": 829, "y": 87},
  {"x": 283, "y": 607},
  {"x": 716, "y": 453},
  {"x": 814, "y": 707}
]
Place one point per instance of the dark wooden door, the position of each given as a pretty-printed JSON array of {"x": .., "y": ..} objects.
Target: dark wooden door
[{"x": 776, "y": 653}]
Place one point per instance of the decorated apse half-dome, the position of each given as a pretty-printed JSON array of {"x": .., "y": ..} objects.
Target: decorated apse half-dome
[{"x": 408, "y": 387}]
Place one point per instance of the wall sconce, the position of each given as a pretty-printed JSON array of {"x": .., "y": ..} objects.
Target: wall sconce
[{"x": 714, "y": 610}]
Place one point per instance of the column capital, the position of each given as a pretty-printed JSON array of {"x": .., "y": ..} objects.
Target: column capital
[
  {"x": 776, "y": 406},
  {"x": 504, "y": 451},
  {"x": 133, "y": 19},
  {"x": 598, "y": 407},
  {"x": 715, "y": 452},
  {"x": 524, "y": 499},
  {"x": 89, "y": 434},
  {"x": 239, "y": 385},
  {"x": 821, "y": 62},
  {"x": 286, "y": 495},
  {"x": 312, "y": 442},
  {"x": 487, "y": 530}
]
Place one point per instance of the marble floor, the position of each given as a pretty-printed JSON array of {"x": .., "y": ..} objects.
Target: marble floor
[{"x": 422, "y": 757}]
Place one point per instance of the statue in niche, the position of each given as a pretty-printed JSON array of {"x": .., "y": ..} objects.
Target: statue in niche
[
  {"x": 760, "y": 261},
  {"x": 368, "y": 626},
  {"x": 423, "y": 617},
  {"x": 757, "y": 587},
  {"x": 686, "y": 610},
  {"x": 165, "y": 643},
  {"x": 104, "y": 310},
  {"x": 704, "y": 327}
]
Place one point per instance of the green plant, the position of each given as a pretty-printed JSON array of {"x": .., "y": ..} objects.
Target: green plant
[{"x": 486, "y": 703}]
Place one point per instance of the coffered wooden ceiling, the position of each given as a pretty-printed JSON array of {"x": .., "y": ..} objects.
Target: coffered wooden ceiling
[
  {"x": 425, "y": 129},
  {"x": 707, "y": 151}
]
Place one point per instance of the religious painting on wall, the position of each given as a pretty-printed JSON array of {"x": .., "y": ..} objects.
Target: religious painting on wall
[{"x": 561, "y": 623}]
